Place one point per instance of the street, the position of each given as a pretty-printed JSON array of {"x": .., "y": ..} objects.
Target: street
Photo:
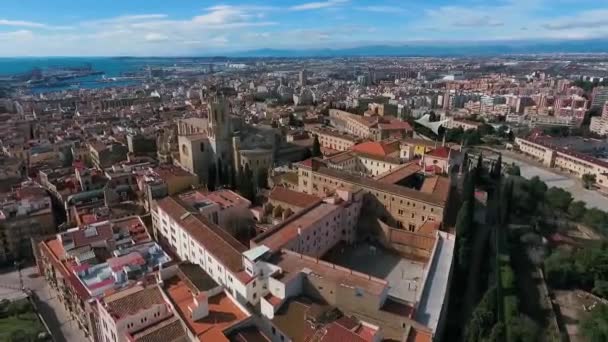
[{"x": 62, "y": 327}]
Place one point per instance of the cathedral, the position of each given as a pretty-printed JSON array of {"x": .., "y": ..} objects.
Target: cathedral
[{"x": 206, "y": 141}]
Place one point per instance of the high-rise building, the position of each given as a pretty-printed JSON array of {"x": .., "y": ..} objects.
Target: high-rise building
[
  {"x": 599, "y": 97},
  {"x": 303, "y": 78}
]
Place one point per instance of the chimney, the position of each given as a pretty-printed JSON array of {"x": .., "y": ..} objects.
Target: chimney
[{"x": 200, "y": 306}]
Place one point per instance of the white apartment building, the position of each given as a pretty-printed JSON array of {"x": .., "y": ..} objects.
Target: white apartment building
[{"x": 196, "y": 239}]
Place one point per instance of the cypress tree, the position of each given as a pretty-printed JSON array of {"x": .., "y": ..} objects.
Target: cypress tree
[
  {"x": 479, "y": 169},
  {"x": 221, "y": 179},
  {"x": 497, "y": 168},
  {"x": 316, "y": 147},
  {"x": 211, "y": 177}
]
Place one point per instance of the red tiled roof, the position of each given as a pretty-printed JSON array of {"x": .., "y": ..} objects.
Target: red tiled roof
[
  {"x": 336, "y": 332},
  {"x": 104, "y": 232},
  {"x": 307, "y": 162},
  {"x": 291, "y": 197},
  {"x": 440, "y": 152},
  {"x": 376, "y": 148},
  {"x": 130, "y": 301},
  {"x": 223, "y": 312},
  {"x": 218, "y": 242}
]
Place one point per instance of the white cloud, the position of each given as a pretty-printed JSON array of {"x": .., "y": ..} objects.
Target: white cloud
[
  {"x": 220, "y": 40},
  {"x": 124, "y": 19},
  {"x": 317, "y": 5},
  {"x": 155, "y": 37},
  {"x": 465, "y": 17},
  {"x": 381, "y": 9},
  {"x": 584, "y": 20},
  {"x": 21, "y": 23},
  {"x": 20, "y": 36}
]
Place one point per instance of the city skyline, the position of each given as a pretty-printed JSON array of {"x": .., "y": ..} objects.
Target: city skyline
[{"x": 151, "y": 28}]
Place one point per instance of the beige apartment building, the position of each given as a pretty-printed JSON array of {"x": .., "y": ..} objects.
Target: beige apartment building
[
  {"x": 567, "y": 160},
  {"x": 398, "y": 205},
  {"x": 335, "y": 140}
]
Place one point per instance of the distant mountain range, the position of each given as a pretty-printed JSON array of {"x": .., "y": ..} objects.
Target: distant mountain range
[{"x": 439, "y": 49}]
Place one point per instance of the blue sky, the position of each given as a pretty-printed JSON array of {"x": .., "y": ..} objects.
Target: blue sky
[{"x": 190, "y": 27}]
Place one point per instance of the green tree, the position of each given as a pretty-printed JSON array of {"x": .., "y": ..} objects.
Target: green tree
[
  {"x": 221, "y": 177},
  {"x": 485, "y": 129},
  {"x": 483, "y": 318},
  {"x": 560, "y": 270},
  {"x": 514, "y": 170},
  {"x": 577, "y": 210},
  {"x": 316, "y": 147},
  {"x": 524, "y": 329},
  {"x": 464, "y": 253},
  {"x": 537, "y": 188},
  {"x": 558, "y": 198},
  {"x": 262, "y": 180},
  {"x": 464, "y": 219},
  {"x": 211, "y": 177},
  {"x": 596, "y": 218},
  {"x": 497, "y": 168},
  {"x": 19, "y": 335},
  {"x": 468, "y": 188},
  {"x": 505, "y": 203},
  {"x": 479, "y": 169},
  {"x": 588, "y": 180},
  {"x": 595, "y": 325},
  {"x": 246, "y": 184}
]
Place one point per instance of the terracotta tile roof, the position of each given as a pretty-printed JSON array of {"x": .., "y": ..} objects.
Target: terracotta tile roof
[
  {"x": 429, "y": 227},
  {"x": 419, "y": 336},
  {"x": 431, "y": 198},
  {"x": 400, "y": 173},
  {"x": 335, "y": 332},
  {"x": 291, "y": 320},
  {"x": 218, "y": 242},
  {"x": 440, "y": 152},
  {"x": 298, "y": 199},
  {"x": 306, "y": 163},
  {"x": 278, "y": 238},
  {"x": 55, "y": 253},
  {"x": 377, "y": 148},
  {"x": 169, "y": 330},
  {"x": 438, "y": 186},
  {"x": 341, "y": 157},
  {"x": 130, "y": 301},
  {"x": 102, "y": 231},
  {"x": 223, "y": 312},
  {"x": 395, "y": 125}
]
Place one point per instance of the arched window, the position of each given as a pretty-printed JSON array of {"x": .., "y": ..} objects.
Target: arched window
[{"x": 185, "y": 150}]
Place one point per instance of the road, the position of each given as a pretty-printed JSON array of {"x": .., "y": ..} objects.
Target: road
[
  {"x": 530, "y": 168},
  {"x": 62, "y": 327}
]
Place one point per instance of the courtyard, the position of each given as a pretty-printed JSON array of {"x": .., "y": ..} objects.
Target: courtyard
[{"x": 405, "y": 276}]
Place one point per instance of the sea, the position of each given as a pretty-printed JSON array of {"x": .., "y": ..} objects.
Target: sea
[{"x": 111, "y": 66}]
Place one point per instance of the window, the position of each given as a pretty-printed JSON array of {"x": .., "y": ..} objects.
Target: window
[
  {"x": 202, "y": 147},
  {"x": 274, "y": 331}
]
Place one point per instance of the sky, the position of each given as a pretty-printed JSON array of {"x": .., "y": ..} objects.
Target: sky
[{"x": 199, "y": 27}]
